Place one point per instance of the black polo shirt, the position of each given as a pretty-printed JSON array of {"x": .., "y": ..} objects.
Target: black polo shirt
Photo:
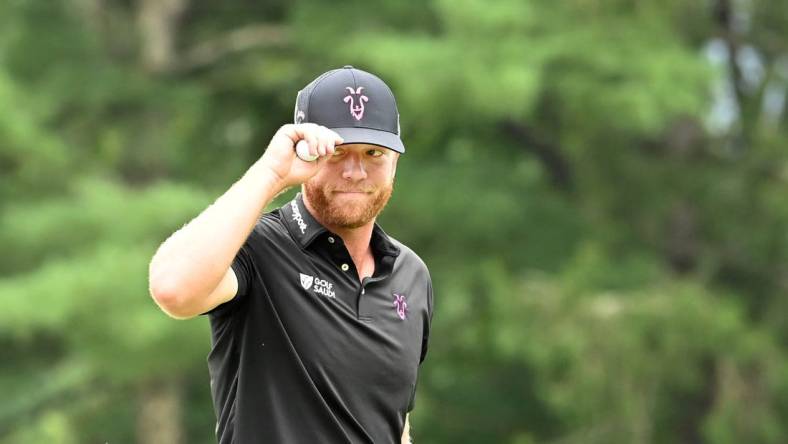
[{"x": 305, "y": 352}]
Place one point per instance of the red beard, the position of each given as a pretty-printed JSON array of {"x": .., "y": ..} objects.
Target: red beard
[{"x": 331, "y": 212}]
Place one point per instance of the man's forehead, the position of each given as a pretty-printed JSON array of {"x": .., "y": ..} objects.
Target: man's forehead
[
  {"x": 360, "y": 146},
  {"x": 364, "y": 147}
]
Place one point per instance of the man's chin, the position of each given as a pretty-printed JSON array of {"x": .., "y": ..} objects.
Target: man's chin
[
  {"x": 350, "y": 224},
  {"x": 348, "y": 215}
]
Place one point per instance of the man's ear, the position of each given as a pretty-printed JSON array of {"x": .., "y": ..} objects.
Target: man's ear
[{"x": 394, "y": 171}]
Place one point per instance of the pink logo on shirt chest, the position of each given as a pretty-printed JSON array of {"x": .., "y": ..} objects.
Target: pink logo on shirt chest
[{"x": 401, "y": 305}]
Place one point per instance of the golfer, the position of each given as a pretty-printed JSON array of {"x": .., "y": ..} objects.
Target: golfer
[{"x": 319, "y": 319}]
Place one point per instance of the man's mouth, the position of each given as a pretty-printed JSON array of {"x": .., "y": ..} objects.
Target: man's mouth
[{"x": 353, "y": 190}]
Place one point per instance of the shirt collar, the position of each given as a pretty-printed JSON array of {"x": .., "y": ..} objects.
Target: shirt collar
[
  {"x": 299, "y": 221},
  {"x": 304, "y": 228}
]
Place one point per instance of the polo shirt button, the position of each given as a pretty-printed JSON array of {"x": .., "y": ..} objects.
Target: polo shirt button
[
  {"x": 330, "y": 239},
  {"x": 345, "y": 267}
]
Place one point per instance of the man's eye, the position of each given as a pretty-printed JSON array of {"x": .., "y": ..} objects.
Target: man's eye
[{"x": 375, "y": 153}]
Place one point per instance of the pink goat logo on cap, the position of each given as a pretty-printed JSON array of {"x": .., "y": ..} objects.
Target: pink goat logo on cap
[{"x": 356, "y": 110}]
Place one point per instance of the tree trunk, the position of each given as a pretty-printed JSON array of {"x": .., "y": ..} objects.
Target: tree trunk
[
  {"x": 158, "y": 26},
  {"x": 159, "y": 420}
]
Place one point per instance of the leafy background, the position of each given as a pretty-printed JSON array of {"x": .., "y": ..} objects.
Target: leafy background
[{"x": 599, "y": 189}]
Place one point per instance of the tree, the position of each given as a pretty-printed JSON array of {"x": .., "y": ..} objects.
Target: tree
[{"x": 597, "y": 187}]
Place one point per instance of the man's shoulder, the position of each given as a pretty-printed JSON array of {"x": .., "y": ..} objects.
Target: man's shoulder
[
  {"x": 269, "y": 225},
  {"x": 408, "y": 256}
]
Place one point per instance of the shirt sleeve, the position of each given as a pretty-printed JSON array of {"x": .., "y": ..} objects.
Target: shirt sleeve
[
  {"x": 424, "y": 342},
  {"x": 412, "y": 402},
  {"x": 242, "y": 266}
]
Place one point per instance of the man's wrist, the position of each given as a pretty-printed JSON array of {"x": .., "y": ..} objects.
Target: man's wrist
[{"x": 266, "y": 178}]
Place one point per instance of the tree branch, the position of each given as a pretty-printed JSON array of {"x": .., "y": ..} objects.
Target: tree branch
[
  {"x": 549, "y": 154},
  {"x": 249, "y": 37},
  {"x": 724, "y": 16}
]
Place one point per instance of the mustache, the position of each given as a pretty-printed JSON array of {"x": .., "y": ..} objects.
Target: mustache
[{"x": 353, "y": 190}]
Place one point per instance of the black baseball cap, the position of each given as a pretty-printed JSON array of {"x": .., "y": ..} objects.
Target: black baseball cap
[{"x": 355, "y": 104}]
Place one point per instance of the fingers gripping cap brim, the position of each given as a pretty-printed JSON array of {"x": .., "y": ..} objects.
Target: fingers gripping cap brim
[{"x": 372, "y": 137}]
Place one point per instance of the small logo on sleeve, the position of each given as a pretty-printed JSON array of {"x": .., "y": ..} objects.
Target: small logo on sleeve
[{"x": 401, "y": 305}]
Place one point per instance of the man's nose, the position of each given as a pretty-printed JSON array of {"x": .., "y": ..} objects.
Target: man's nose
[{"x": 353, "y": 169}]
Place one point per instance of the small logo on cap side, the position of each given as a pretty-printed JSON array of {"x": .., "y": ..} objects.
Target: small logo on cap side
[
  {"x": 298, "y": 115},
  {"x": 356, "y": 111}
]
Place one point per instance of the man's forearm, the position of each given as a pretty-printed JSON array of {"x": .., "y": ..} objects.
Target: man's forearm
[{"x": 192, "y": 261}]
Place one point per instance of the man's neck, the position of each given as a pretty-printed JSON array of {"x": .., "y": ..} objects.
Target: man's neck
[{"x": 357, "y": 240}]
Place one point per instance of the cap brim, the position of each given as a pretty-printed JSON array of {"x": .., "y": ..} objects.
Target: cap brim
[{"x": 371, "y": 136}]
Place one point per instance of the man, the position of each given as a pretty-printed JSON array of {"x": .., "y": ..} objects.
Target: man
[{"x": 319, "y": 319}]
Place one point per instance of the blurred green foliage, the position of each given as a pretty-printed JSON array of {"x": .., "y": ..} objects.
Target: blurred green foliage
[{"x": 599, "y": 189}]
